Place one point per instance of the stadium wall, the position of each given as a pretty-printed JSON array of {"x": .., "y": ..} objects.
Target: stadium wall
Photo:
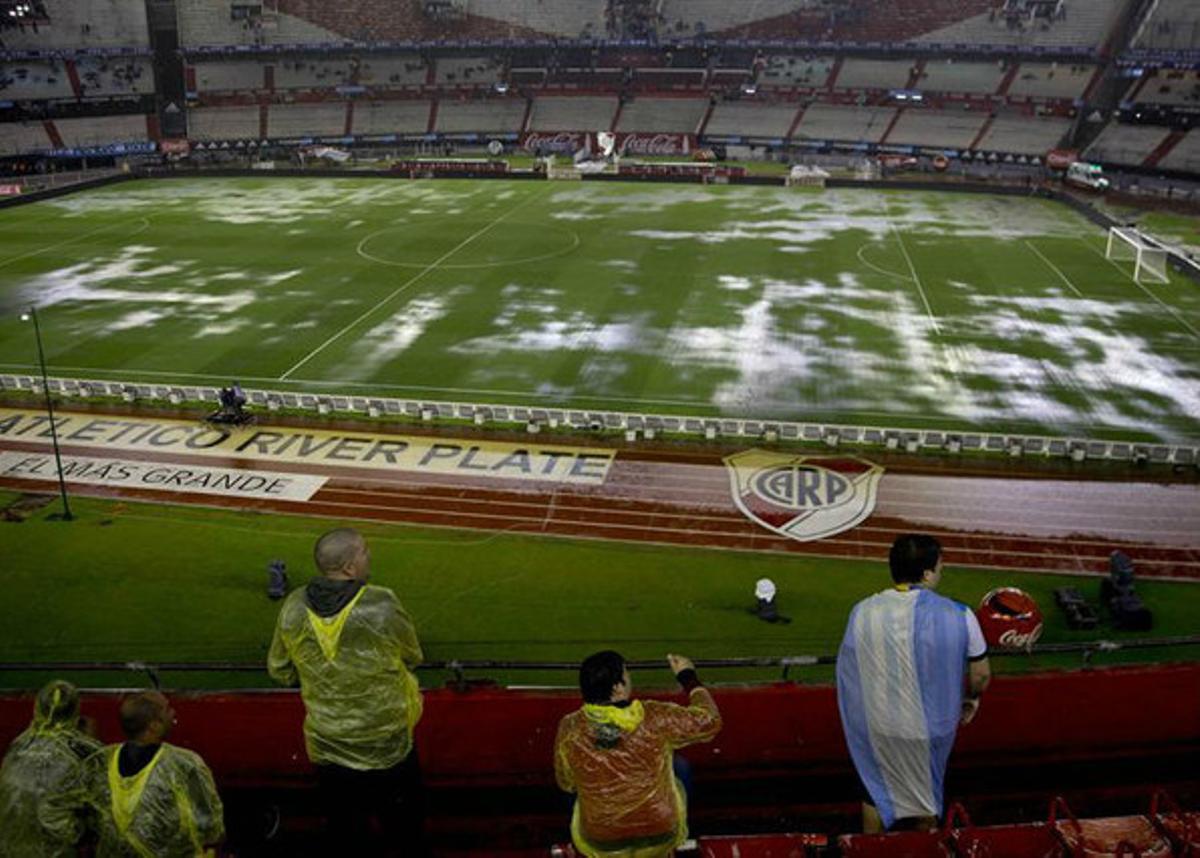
[
  {"x": 781, "y": 751},
  {"x": 51, "y": 193}
]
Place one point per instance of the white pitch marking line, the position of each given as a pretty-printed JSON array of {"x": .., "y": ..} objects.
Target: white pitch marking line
[
  {"x": 428, "y": 268},
  {"x": 876, "y": 268},
  {"x": 144, "y": 224},
  {"x": 1054, "y": 268},
  {"x": 916, "y": 279},
  {"x": 1157, "y": 299}
]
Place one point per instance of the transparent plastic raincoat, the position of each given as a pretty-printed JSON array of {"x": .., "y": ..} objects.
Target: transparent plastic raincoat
[
  {"x": 362, "y": 702},
  {"x": 618, "y": 760},
  {"x": 170, "y": 809},
  {"x": 43, "y": 761}
]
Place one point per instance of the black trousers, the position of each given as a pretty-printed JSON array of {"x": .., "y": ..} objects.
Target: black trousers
[{"x": 374, "y": 812}]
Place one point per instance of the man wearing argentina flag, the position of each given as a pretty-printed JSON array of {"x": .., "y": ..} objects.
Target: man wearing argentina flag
[{"x": 900, "y": 675}]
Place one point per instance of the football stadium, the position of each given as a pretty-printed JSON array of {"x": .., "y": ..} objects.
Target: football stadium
[{"x": 801, "y": 340}]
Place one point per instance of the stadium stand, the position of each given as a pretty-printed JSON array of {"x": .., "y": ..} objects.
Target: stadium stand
[
  {"x": 1172, "y": 25},
  {"x": 690, "y": 17},
  {"x": 391, "y": 117},
  {"x": 680, "y": 115},
  {"x": 313, "y": 73},
  {"x": 1185, "y": 156},
  {"x": 952, "y": 76},
  {"x": 1082, "y": 24},
  {"x": 1023, "y": 135},
  {"x": 388, "y": 71},
  {"x": 1169, "y": 86},
  {"x": 223, "y": 123},
  {"x": 97, "y": 77},
  {"x": 853, "y": 124},
  {"x": 1126, "y": 144},
  {"x": 327, "y": 119},
  {"x": 468, "y": 71},
  {"x": 102, "y": 130},
  {"x": 499, "y": 115},
  {"x": 83, "y": 24},
  {"x": 18, "y": 137},
  {"x": 581, "y": 113},
  {"x": 1051, "y": 80},
  {"x": 31, "y": 80},
  {"x": 288, "y": 22},
  {"x": 570, "y": 18},
  {"x": 878, "y": 21},
  {"x": 673, "y": 78},
  {"x": 857, "y": 73},
  {"x": 114, "y": 76},
  {"x": 229, "y": 76},
  {"x": 751, "y": 119},
  {"x": 790, "y": 71},
  {"x": 207, "y": 22},
  {"x": 936, "y": 128}
]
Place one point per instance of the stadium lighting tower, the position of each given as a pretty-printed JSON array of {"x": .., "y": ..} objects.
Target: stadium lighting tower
[{"x": 31, "y": 315}]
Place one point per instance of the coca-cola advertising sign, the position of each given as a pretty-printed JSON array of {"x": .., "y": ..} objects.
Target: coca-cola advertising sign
[
  {"x": 628, "y": 143},
  {"x": 175, "y": 146},
  {"x": 1013, "y": 639},
  {"x": 637, "y": 143},
  {"x": 1060, "y": 159},
  {"x": 557, "y": 142}
]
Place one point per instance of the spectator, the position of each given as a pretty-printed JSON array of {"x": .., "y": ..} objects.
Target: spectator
[
  {"x": 43, "y": 761},
  {"x": 615, "y": 754},
  {"x": 351, "y": 646},
  {"x": 148, "y": 797},
  {"x": 900, "y": 687}
]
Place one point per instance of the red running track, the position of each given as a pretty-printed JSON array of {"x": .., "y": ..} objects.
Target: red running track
[{"x": 1032, "y": 523}]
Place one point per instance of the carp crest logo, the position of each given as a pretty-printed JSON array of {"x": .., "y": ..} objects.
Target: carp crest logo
[{"x": 803, "y": 497}]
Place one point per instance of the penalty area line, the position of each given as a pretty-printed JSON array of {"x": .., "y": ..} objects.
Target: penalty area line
[
  {"x": 1054, "y": 268},
  {"x": 143, "y": 225}
]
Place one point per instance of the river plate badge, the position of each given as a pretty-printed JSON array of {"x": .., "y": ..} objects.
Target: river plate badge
[{"x": 803, "y": 497}]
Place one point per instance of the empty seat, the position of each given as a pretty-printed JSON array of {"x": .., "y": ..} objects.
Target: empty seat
[{"x": 761, "y": 845}]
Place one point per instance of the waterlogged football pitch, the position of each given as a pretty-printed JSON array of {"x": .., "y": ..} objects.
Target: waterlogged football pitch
[{"x": 858, "y": 306}]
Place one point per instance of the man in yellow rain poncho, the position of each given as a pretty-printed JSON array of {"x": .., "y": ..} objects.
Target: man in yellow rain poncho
[
  {"x": 616, "y": 754},
  {"x": 351, "y": 647},
  {"x": 44, "y": 761},
  {"x": 150, "y": 799}
]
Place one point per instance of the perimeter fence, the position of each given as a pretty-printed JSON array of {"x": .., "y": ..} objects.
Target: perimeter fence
[{"x": 466, "y": 670}]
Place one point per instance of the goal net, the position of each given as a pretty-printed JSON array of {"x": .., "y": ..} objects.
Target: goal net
[{"x": 1149, "y": 259}]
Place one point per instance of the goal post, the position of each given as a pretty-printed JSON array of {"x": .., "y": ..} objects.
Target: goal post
[{"x": 1149, "y": 259}]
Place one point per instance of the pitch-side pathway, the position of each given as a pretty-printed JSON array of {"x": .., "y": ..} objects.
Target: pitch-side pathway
[{"x": 985, "y": 514}]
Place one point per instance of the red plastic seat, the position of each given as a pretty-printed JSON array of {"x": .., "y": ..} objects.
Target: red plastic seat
[
  {"x": 906, "y": 844},
  {"x": 1181, "y": 827},
  {"x": 1037, "y": 840},
  {"x": 1108, "y": 837},
  {"x": 760, "y": 845},
  {"x": 901, "y": 844}
]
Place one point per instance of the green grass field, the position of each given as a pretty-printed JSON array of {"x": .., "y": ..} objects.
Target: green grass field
[
  {"x": 130, "y": 581},
  {"x": 868, "y": 307},
  {"x": 865, "y": 307}
]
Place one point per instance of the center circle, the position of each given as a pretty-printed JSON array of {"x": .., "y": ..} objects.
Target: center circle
[{"x": 414, "y": 246}]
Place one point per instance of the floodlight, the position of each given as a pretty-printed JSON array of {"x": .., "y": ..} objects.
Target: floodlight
[{"x": 30, "y": 315}]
